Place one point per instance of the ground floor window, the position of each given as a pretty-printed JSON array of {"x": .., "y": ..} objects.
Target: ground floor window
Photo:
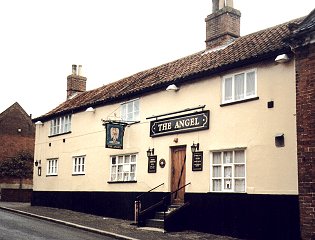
[
  {"x": 79, "y": 165},
  {"x": 123, "y": 167},
  {"x": 52, "y": 167},
  {"x": 228, "y": 171}
]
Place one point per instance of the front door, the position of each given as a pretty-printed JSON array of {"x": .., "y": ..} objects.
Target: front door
[{"x": 178, "y": 177}]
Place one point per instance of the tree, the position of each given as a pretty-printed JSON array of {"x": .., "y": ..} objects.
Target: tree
[{"x": 20, "y": 166}]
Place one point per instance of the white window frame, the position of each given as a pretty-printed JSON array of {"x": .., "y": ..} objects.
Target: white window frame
[
  {"x": 78, "y": 165},
  {"x": 123, "y": 163},
  {"x": 134, "y": 114},
  {"x": 245, "y": 95},
  {"x": 230, "y": 165},
  {"x": 52, "y": 167},
  {"x": 60, "y": 125}
]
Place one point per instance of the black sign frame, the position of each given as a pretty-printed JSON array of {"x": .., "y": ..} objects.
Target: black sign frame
[
  {"x": 197, "y": 161},
  {"x": 114, "y": 135},
  {"x": 180, "y": 124},
  {"x": 152, "y": 164}
]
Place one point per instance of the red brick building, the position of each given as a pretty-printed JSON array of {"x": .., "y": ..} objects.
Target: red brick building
[
  {"x": 302, "y": 42},
  {"x": 17, "y": 133}
]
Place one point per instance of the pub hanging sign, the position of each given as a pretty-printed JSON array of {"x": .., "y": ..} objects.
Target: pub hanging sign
[
  {"x": 180, "y": 124},
  {"x": 114, "y": 135}
]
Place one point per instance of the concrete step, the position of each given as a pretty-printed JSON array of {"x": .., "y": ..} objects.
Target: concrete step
[{"x": 154, "y": 223}]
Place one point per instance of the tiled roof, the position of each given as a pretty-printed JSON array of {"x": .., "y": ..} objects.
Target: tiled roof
[{"x": 244, "y": 50}]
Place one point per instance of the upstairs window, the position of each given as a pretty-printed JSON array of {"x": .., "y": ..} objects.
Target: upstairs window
[
  {"x": 238, "y": 87},
  {"x": 130, "y": 111},
  {"x": 60, "y": 125}
]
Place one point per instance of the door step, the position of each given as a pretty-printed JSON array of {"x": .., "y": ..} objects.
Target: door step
[{"x": 158, "y": 220}]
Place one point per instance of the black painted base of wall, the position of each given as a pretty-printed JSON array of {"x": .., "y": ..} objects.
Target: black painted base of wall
[
  {"x": 247, "y": 216},
  {"x": 110, "y": 204}
]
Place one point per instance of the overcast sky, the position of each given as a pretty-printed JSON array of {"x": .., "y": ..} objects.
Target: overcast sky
[{"x": 112, "y": 39}]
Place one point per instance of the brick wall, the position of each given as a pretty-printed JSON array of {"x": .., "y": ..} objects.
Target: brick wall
[{"x": 305, "y": 103}]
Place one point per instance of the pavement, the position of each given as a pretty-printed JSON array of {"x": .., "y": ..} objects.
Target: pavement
[{"x": 116, "y": 228}]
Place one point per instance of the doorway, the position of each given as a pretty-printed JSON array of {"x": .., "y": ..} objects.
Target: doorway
[{"x": 178, "y": 173}]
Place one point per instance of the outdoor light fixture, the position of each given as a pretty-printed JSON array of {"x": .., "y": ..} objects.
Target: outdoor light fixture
[
  {"x": 172, "y": 88},
  {"x": 194, "y": 147},
  {"x": 150, "y": 152},
  {"x": 39, "y": 123},
  {"x": 90, "y": 109},
  {"x": 282, "y": 58},
  {"x": 37, "y": 162}
]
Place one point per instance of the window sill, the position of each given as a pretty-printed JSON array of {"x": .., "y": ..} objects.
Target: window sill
[
  {"x": 227, "y": 192},
  {"x": 78, "y": 174},
  {"x": 240, "y": 101},
  {"x": 59, "y": 134},
  {"x": 133, "y": 181},
  {"x": 52, "y": 175}
]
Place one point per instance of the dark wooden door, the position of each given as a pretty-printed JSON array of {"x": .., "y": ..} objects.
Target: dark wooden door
[{"x": 178, "y": 177}]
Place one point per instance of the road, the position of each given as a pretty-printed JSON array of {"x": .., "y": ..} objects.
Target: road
[{"x": 18, "y": 227}]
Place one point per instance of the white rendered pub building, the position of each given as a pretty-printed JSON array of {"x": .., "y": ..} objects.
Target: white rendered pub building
[{"x": 212, "y": 134}]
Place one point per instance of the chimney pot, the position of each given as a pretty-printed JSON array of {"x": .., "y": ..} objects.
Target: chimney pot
[
  {"x": 215, "y": 5},
  {"x": 79, "y": 70},
  {"x": 74, "y": 69}
]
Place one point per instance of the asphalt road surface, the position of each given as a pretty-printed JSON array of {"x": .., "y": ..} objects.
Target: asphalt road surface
[{"x": 18, "y": 227}]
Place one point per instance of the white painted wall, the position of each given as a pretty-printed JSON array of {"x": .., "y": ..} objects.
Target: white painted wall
[{"x": 269, "y": 170}]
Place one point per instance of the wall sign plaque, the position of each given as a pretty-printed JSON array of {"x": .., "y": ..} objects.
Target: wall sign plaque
[
  {"x": 152, "y": 161},
  {"x": 179, "y": 124},
  {"x": 197, "y": 161}
]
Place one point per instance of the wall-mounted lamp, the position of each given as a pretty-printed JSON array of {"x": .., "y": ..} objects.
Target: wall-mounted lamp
[
  {"x": 37, "y": 163},
  {"x": 150, "y": 152},
  {"x": 172, "y": 88},
  {"x": 90, "y": 109},
  {"x": 194, "y": 147},
  {"x": 282, "y": 58},
  {"x": 39, "y": 123}
]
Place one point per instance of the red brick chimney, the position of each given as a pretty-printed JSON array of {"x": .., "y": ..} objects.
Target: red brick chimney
[
  {"x": 75, "y": 82},
  {"x": 223, "y": 24}
]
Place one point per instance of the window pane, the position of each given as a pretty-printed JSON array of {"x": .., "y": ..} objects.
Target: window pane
[
  {"x": 227, "y": 157},
  {"x": 123, "y": 112},
  {"x": 239, "y": 170},
  {"x": 120, "y": 159},
  {"x": 119, "y": 177},
  {"x": 227, "y": 184},
  {"x": 113, "y": 177},
  {"x": 136, "y": 105},
  {"x": 239, "y": 86},
  {"x": 228, "y": 89},
  {"x": 239, "y": 157},
  {"x": 228, "y": 172},
  {"x": 132, "y": 176},
  {"x": 113, "y": 160},
  {"x": 240, "y": 185},
  {"x": 133, "y": 168},
  {"x": 250, "y": 84},
  {"x": 217, "y": 171},
  {"x": 216, "y": 158},
  {"x": 133, "y": 158},
  {"x": 216, "y": 185},
  {"x": 127, "y": 159}
]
